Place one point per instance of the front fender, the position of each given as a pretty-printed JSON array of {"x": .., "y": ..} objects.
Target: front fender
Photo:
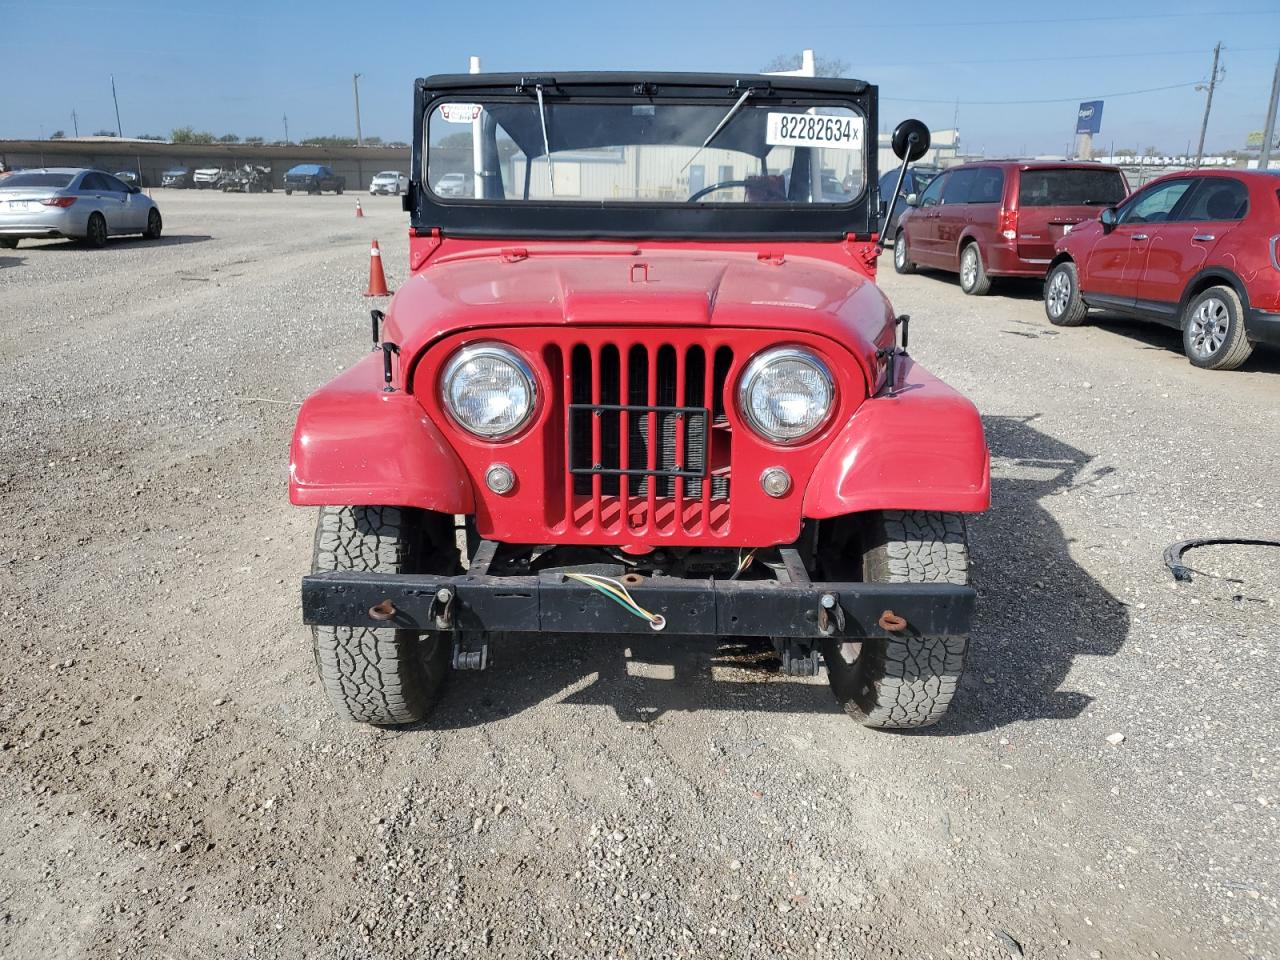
[
  {"x": 354, "y": 445},
  {"x": 922, "y": 449}
]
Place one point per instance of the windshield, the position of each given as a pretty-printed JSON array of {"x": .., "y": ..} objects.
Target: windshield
[
  {"x": 1071, "y": 188},
  {"x": 594, "y": 151},
  {"x": 55, "y": 180}
]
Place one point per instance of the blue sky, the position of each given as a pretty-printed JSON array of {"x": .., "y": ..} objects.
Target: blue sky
[{"x": 233, "y": 66}]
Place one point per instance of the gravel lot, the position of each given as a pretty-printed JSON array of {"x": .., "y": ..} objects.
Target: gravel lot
[{"x": 175, "y": 785}]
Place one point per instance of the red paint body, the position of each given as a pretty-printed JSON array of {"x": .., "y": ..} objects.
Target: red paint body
[{"x": 921, "y": 449}]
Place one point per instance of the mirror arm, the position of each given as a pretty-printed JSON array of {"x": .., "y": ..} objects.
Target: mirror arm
[{"x": 897, "y": 188}]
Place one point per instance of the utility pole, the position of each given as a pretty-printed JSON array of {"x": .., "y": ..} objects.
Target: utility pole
[
  {"x": 1269, "y": 133},
  {"x": 75, "y": 124},
  {"x": 355, "y": 85},
  {"x": 119, "y": 129},
  {"x": 1208, "y": 101},
  {"x": 285, "y": 118}
]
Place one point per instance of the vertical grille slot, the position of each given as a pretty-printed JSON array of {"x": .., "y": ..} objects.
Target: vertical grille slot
[{"x": 647, "y": 428}]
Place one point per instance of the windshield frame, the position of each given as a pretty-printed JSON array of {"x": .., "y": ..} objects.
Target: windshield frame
[{"x": 638, "y": 219}]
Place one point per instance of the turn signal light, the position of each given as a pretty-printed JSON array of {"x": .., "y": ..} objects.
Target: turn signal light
[{"x": 58, "y": 201}]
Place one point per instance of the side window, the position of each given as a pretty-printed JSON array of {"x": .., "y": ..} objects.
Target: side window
[
  {"x": 91, "y": 182},
  {"x": 114, "y": 184},
  {"x": 988, "y": 186},
  {"x": 933, "y": 193},
  {"x": 1155, "y": 204},
  {"x": 1217, "y": 199},
  {"x": 959, "y": 187}
]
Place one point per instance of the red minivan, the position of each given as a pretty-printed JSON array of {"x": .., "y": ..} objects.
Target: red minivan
[
  {"x": 1001, "y": 218},
  {"x": 1198, "y": 251}
]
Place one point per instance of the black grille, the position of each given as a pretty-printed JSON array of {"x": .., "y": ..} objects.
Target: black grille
[{"x": 669, "y": 413}]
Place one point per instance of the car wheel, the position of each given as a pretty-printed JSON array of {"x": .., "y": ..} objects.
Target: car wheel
[
  {"x": 288, "y": 192},
  {"x": 154, "y": 225},
  {"x": 904, "y": 680},
  {"x": 96, "y": 231},
  {"x": 1213, "y": 334},
  {"x": 338, "y": 190},
  {"x": 384, "y": 677},
  {"x": 901, "y": 256},
  {"x": 8, "y": 243},
  {"x": 973, "y": 275},
  {"x": 1063, "y": 304}
]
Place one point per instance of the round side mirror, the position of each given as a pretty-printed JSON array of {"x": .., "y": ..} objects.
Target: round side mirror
[
  {"x": 912, "y": 199},
  {"x": 1108, "y": 218},
  {"x": 910, "y": 140}
]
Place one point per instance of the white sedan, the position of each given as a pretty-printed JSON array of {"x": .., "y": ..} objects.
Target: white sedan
[
  {"x": 389, "y": 182},
  {"x": 80, "y": 204}
]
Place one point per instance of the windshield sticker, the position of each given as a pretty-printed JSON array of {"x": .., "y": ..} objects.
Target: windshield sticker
[
  {"x": 811, "y": 130},
  {"x": 460, "y": 112}
]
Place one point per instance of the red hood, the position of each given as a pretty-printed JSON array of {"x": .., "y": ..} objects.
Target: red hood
[{"x": 620, "y": 285}]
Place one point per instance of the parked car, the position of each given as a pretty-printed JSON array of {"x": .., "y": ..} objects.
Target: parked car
[
  {"x": 672, "y": 433},
  {"x": 913, "y": 183},
  {"x": 176, "y": 178},
  {"x": 1001, "y": 218},
  {"x": 132, "y": 178},
  {"x": 68, "y": 202},
  {"x": 389, "y": 182},
  {"x": 248, "y": 179},
  {"x": 1198, "y": 251},
  {"x": 207, "y": 178},
  {"x": 313, "y": 178},
  {"x": 453, "y": 185}
]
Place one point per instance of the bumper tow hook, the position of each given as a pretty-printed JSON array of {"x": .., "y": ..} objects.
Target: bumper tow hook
[
  {"x": 891, "y": 622},
  {"x": 382, "y": 611}
]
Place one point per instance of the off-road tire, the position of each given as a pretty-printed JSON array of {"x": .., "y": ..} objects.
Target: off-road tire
[
  {"x": 288, "y": 192},
  {"x": 1234, "y": 348},
  {"x": 1074, "y": 310},
  {"x": 155, "y": 224},
  {"x": 383, "y": 677},
  {"x": 8, "y": 243},
  {"x": 901, "y": 255},
  {"x": 96, "y": 231},
  {"x": 905, "y": 681},
  {"x": 978, "y": 284},
  {"x": 338, "y": 190}
]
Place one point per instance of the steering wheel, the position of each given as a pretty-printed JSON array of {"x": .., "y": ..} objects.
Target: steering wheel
[{"x": 722, "y": 185}]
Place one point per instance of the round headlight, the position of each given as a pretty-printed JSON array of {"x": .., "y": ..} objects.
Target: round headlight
[
  {"x": 489, "y": 390},
  {"x": 786, "y": 394}
]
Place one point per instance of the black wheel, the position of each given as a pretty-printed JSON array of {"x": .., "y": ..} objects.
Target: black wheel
[
  {"x": 907, "y": 681},
  {"x": 8, "y": 243},
  {"x": 901, "y": 255},
  {"x": 1213, "y": 333},
  {"x": 973, "y": 275},
  {"x": 288, "y": 192},
  {"x": 96, "y": 232},
  {"x": 383, "y": 677},
  {"x": 338, "y": 190},
  {"x": 154, "y": 225},
  {"x": 1063, "y": 304}
]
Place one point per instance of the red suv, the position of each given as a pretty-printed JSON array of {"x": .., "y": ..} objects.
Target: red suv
[
  {"x": 1001, "y": 218},
  {"x": 1194, "y": 250}
]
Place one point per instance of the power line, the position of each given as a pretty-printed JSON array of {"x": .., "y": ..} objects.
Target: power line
[{"x": 1001, "y": 103}]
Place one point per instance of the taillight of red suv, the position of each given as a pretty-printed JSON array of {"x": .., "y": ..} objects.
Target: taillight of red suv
[{"x": 1007, "y": 223}]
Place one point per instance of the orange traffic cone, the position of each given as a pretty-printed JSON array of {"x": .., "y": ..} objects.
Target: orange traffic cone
[
  {"x": 377, "y": 279},
  {"x": 359, "y": 212}
]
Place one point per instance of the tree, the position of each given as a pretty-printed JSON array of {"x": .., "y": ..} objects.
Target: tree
[
  {"x": 149, "y": 136},
  {"x": 330, "y": 141},
  {"x": 58, "y": 135},
  {"x": 822, "y": 66},
  {"x": 229, "y": 138},
  {"x": 104, "y": 133},
  {"x": 1151, "y": 152},
  {"x": 253, "y": 140},
  {"x": 188, "y": 135}
]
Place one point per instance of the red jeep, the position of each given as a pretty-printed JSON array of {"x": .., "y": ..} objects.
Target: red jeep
[
  {"x": 1196, "y": 251},
  {"x": 640, "y": 380}
]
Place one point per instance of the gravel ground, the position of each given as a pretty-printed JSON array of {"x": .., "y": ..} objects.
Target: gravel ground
[{"x": 175, "y": 785}]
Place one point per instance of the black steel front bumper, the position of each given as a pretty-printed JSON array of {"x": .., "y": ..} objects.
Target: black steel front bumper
[{"x": 549, "y": 603}]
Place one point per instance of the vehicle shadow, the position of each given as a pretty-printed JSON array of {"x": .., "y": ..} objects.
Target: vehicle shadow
[
  {"x": 12, "y": 262},
  {"x": 1037, "y": 611},
  {"x": 1158, "y": 337},
  {"x": 124, "y": 243}
]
